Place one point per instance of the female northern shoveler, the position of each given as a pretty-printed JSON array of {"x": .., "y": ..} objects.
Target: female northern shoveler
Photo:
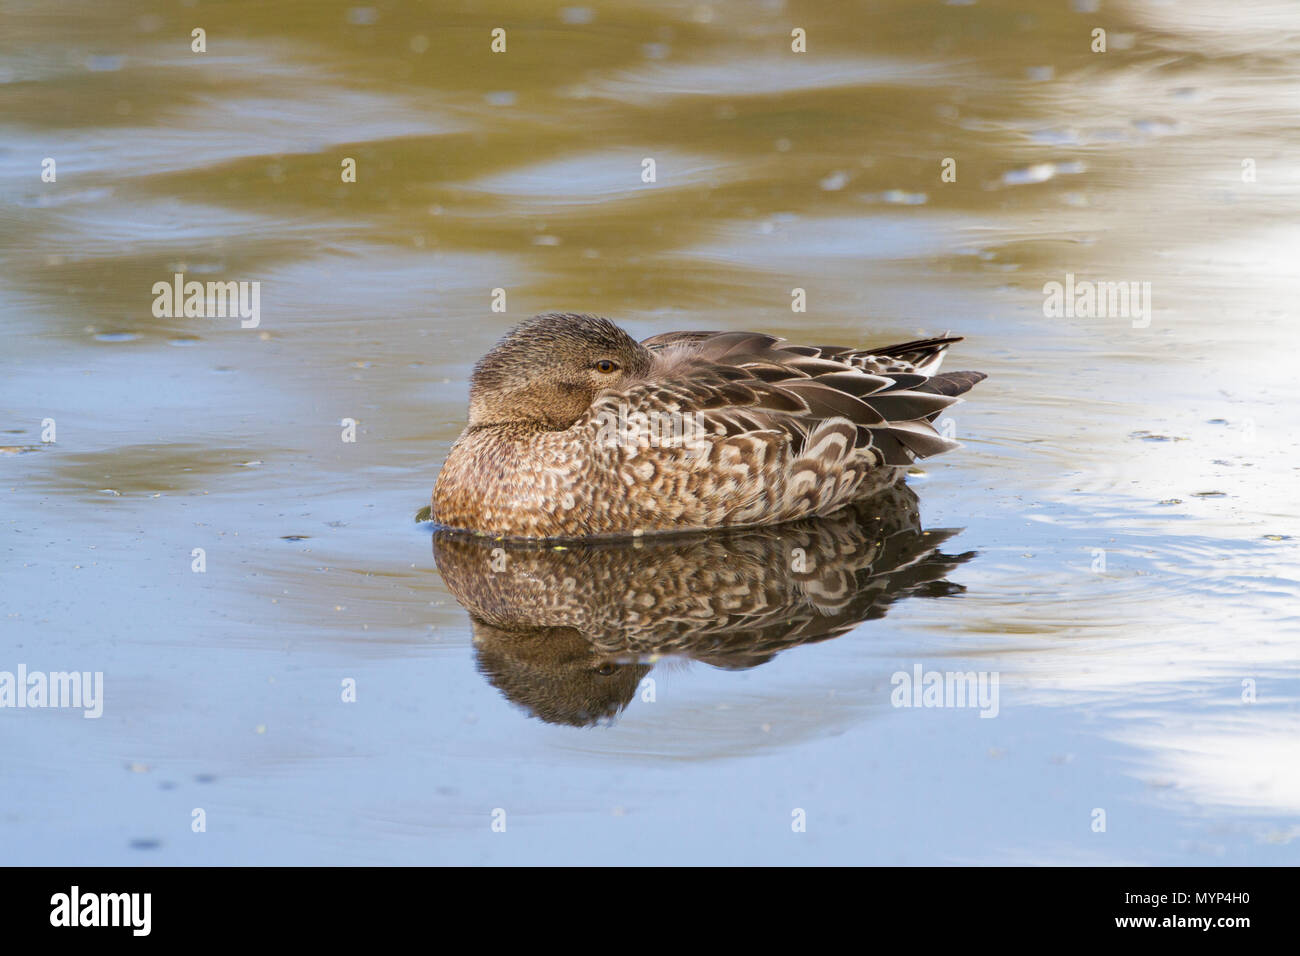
[{"x": 576, "y": 429}]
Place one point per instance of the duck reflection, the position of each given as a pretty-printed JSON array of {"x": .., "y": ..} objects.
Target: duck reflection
[{"x": 569, "y": 632}]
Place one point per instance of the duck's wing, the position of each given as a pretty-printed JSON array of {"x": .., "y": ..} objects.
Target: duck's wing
[
  {"x": 922, "y": 356},
  {"x": 743, "y": 382}
]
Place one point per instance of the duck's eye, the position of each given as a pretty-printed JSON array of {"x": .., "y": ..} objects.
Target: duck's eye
[{"x": 605, "y": 366}]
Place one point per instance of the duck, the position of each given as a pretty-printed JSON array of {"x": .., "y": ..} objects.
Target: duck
[{"x": 577, "y": 430}]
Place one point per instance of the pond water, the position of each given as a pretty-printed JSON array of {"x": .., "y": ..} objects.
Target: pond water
[{"x": 1113, "y": 552}]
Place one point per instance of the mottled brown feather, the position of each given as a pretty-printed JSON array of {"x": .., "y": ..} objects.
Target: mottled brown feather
[
  {"x": 761, "y": 431},
  {"x": 568, "y": 633}
]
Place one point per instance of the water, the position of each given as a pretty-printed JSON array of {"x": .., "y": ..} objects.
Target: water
[{"x": 1120, "y": 525}]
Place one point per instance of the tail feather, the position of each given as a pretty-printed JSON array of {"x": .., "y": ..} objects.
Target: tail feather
[
  {"x": 952, "y": 383},
  {"x": 925, "y": 354}
]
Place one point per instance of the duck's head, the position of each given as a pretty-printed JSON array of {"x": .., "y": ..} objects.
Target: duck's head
[{"x": 548, "y": 370}]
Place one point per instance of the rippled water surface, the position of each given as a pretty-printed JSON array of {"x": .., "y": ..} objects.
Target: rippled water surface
[{"x": 1116, "y": 542}]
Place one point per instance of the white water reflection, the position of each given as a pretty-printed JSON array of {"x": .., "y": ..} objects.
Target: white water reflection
[{"x": 743, "y": 75}]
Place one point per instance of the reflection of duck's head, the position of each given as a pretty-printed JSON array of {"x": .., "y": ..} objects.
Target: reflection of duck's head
[
  {"x": 550, "y": 622},
  {"x": 555, "y": 673}
]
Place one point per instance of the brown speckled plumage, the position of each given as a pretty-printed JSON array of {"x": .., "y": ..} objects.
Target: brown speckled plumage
[
  {"x": 575, "y": 429},
  {"x": 568, "y": 632}
]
